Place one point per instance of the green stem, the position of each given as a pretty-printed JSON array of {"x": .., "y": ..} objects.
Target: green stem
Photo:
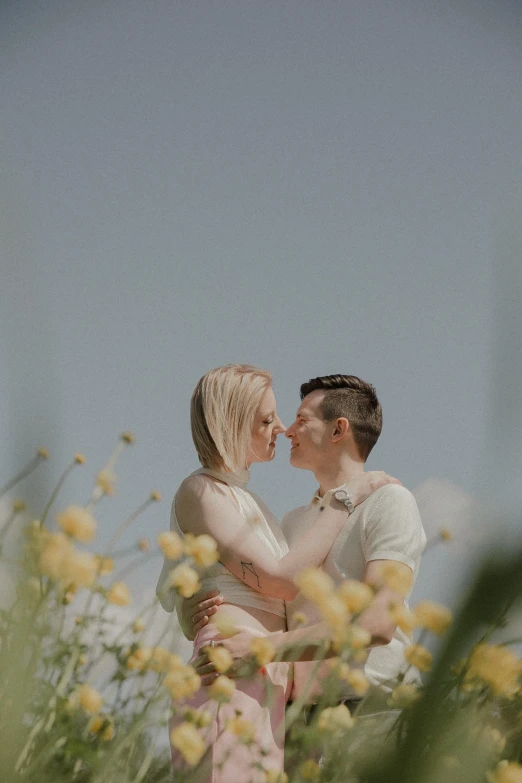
[
  {"x": 23, "y": 473},
  {"x": 56, "y": 491}
]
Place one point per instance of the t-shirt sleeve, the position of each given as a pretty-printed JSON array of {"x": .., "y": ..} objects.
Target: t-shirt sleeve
[{"x": 393, "y": 529}]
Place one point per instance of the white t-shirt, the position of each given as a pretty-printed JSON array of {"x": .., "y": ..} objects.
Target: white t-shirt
[{"x": 387, "y": 526}]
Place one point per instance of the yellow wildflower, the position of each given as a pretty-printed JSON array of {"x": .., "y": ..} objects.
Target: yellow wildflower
[
  {"x": 203, "y": 549},
  {"x": 355, "y": 595},
  {"x": 225, "y": 625},
  {"x": 275, "y": 776},
  {"x": 81, "y": 566},
  {"x": 99, "y": 722},
  {"x": 358, "y": 681},
  {"x": 506, "y": 772},
  {"x": 397, "y": 576},
  {"x": 314, "y": 584},
  {"x": 79, "y": 459},
  {"x": 77, "y": 523},
  {"x": 244, "y": 730},
  {"x": 222, "y": 688},
  {"x": 187, "y": 739},
  {"x": 492, "y": 738},
  {"x": 334, "y": 612},
  {"x": 119, "y": 594},
  {"x": 156, "y": 496},
  {"x": 138, "y": 626},
  {"x": 104, "y": 565},
  {"x": 310, "y": 770},
  {"x": 403, "y": 695},
  {"x": 144, "y": 544},
  {"x": 139, "y": 659},
  {"x": 402, "y": 617},
  {"x": 171, "y": 545},
  {"x": 299, "y": 618},
  {"x": 90, "y": 699},
  {"x": 127, "y": 437},
  {"x": 185, "y": 580},
  {"x": 42, "y": 453},
  {"x": 220, "y": 657},
  {"x": 182, "y": 682},
  {"x": 334, "y": 719},
  {"x": 446, "y": 534},
  {"x": 419, "y": 656},
  {"x": 200, "y": 718},
  {"x": 18, "y": 505},
  {"x": 55, "y": 551},
  {"x": 106, "y": 482},
  {"x": 433, "y": 616},
  {"x": 496, "y": 666},
  {"x": 263, "y": 650}
]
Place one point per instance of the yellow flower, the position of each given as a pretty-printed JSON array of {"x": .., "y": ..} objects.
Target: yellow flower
[
  {"x": 334, "y": 612},
  {"x": 138, "y": 626},
  {"x": 263, "y": 650},
  {"x": 106, "y": 481},
  {"x": 334, "y": 719},
  {"x": 496, "y": 666},
  {"x": 222, "y": 688},
  {"x": 358, "y": 681},
  {"x": 79, "y": 459},
  {"x": 506, "y": 772},
  {"x": 139, "y": 659},
  {"x": 82, "y": 567},
  {"x": 171, "y": 545},
  {"x": 42, "y": 453},
  {"x": 433, "y": 616},
  {"x": 155, "y": 496},
  {"x": 275, "y": 776},
  {"x": 220, "y": 657},
  {"x": 144, "y": 544},
  {"x": 104, "y": 565},
  {"x": 310, "y": 770},
  {"x": 55, "y": 551},
  {"x": 127, "y": 437},
  {"x": 187, "y": 739},
  {"x": 355, "y": 595},
  {"x": 492, "y": 738},
  {"x": 299, "y": 618},
  {"x": 402, "y": 617},
  {"x": 99, "y": 722},
  {"x": 314, "y": 584},
  {"x": 77, "y": 523},
  {"x": 419, "y": 656},
  {"x": 225, "y": 625},
  {"x": 403, "y": 695},
  {"x": 18, "y": 505},
  {"x": 90, "y": 699},
  {"x": 397, "y": 576},
  {"x": 203, "y": 549},
  {"x": 200, "y": 718},
  {"x": 161, "y": 660},
  {"x": 446, "y": 534},
  {"x": 244, "y": 730},
  {"x": 185, "y": 580},
  {"x": 119, "y": 594},
  {"x": 182, "y": 682}
]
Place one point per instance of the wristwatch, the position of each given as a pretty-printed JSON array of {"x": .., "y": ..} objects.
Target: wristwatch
[{"x": 343, "y": 497}]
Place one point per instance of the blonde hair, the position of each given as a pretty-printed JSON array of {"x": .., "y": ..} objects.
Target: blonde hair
[{"x": 222, "y": 413}]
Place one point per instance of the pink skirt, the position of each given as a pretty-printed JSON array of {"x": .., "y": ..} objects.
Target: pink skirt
[{"x": 260, "y": 700}]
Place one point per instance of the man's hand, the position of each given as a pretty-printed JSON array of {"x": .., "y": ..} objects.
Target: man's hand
[
  {"x": 197, "y": 610},
  {"x": 239, "y": 648},
  {"x": 361, "y": 487}
]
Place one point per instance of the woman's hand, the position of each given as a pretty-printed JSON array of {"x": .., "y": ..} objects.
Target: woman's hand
[
  {"x": 361, "y": 487},
  {"x": 244, "y": 663},
  {"x": 197, "y": 610}
]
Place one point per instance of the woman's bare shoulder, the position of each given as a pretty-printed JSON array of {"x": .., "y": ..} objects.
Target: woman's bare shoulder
[{"x": 200, "y": 489}]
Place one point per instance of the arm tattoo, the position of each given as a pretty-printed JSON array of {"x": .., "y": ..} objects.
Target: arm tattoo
[{"x": 249, "y": 567}]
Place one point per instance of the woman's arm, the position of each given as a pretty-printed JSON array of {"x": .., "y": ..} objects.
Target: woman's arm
[{"x": 206, "y": 506}]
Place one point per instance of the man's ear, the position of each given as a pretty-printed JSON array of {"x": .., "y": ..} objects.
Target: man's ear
[{"x": 341, "y": 428}]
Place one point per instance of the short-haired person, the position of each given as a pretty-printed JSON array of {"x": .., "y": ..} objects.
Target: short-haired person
[
  {"x": 234, "y": 424},
  {"x": 336, "y": 426}
]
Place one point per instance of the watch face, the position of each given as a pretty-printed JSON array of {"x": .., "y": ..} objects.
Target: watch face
[{"x": 341, "y": 494}]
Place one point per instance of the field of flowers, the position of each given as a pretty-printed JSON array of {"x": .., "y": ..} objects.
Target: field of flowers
[{"x": 84, "y": 702}]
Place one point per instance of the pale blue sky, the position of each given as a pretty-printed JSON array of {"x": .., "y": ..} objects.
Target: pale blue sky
[{"x": 312, "y": 187}]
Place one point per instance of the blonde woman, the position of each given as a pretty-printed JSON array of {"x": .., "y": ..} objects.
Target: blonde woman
[{"x": 235, "y": 424}]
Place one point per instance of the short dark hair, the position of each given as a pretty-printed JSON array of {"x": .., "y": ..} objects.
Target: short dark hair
[{"x": 350, "y": 398}]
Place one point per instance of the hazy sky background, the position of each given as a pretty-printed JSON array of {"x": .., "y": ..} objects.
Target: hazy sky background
[{"x": 312, "y": 187}]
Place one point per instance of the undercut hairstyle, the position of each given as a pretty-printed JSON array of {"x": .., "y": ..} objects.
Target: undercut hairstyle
[
  {"x": 222, "y": 413},
  {"x": 349, "y": 397}
]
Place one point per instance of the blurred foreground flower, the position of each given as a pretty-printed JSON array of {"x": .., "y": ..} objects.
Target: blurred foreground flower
[{"x": 187, "y": 739}]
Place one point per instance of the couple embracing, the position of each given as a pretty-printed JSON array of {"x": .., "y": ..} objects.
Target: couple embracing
[{"x": 356, "y": 522}]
